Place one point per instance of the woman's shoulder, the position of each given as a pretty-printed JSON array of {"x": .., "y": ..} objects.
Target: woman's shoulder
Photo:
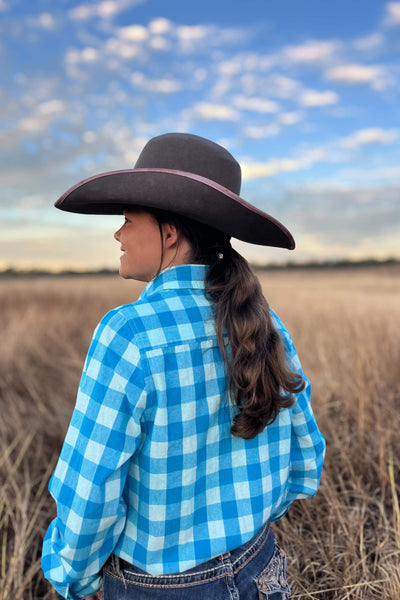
[
  {"x": 117, "y": 319},
  {"x": 283, "y": 332},
  {"x": 135, "y": 315},
  {"x": 277, "y": 322}
]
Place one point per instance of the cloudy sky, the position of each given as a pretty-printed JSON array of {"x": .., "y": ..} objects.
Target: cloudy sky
[{"x": 304, "y": 94}]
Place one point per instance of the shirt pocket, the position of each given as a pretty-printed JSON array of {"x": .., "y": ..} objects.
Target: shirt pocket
[{"x": 272, "y": 579}]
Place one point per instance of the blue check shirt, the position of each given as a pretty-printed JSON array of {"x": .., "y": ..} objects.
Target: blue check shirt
[{"x": 149, "y": 469}]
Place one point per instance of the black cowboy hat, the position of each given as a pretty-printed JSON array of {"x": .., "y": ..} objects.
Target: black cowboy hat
[{"x": 184, "y": 174}]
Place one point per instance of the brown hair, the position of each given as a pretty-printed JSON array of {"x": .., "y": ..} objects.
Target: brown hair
[{"x": 259, "y": 378}]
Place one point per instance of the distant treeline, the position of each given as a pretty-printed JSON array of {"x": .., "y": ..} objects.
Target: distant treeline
[
  {"x": 34, "y": 273},
  {"x": 12, "y": 273},
  {"x": 334, "y": 264}
]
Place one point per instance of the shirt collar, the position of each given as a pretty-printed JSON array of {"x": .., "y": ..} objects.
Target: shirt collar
[{"x": 179, "y": 277}]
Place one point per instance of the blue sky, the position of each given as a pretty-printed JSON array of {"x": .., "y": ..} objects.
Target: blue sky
[{"x": 304, "y": 94}]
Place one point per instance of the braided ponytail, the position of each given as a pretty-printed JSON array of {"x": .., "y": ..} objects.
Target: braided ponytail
[{"x": 260, "y": 381}]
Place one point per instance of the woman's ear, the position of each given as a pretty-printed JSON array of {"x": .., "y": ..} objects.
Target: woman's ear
[{"x": 170, "y": 235}]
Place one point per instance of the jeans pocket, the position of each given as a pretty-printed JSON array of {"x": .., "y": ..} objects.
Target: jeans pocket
[{"x": 271, "y": 582}]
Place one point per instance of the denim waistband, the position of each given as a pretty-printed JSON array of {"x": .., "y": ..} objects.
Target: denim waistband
[{"x": 238, "y": 558}]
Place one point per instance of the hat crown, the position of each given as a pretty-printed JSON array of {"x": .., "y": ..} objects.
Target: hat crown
[{"x": 193, "y": 154}]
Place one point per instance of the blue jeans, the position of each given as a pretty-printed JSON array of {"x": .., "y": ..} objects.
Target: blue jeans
[{"x": 254, "y": 571}]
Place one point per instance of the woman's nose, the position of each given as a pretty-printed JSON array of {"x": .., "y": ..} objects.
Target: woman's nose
[{"x": 116, "y": 235}]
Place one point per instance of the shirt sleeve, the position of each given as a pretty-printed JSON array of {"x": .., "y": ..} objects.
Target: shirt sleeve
[
  {"x": 307, "y": 444},
  {"x": 89, "y": 478}
]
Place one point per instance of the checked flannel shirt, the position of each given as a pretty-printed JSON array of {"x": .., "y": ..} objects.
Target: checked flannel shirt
[{"x": 149, "y": 470}]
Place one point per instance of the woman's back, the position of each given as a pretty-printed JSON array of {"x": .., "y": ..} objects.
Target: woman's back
[{"x": 159, "y": 425}]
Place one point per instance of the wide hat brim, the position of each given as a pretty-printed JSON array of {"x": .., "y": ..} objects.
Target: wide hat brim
[{"x": 184, "y": 193}]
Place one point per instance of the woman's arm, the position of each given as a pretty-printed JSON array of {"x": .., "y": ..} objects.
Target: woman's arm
[
  {"x": 307, "y": 444},
  {"x": 90, "y": 475}
]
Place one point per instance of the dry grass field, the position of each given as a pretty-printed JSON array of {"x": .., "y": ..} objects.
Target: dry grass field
[{"x": 342, "y": 544}]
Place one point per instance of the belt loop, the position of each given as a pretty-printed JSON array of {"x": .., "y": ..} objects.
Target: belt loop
[
  {"x": 116, "y": 563},
  {"x": 224, "y": 557}
]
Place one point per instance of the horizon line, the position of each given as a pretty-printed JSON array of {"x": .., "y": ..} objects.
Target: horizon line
[{"x": 13, "y": 271}]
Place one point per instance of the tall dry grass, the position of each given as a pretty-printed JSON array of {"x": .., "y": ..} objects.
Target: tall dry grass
[{"x": 344, "y": 543}]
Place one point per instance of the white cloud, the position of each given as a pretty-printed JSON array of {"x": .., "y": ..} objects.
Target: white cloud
[
  {"x": 50, "y": 107},
  {"x": 45, "y": 21},
  {"x": 30, "y": 201},
  {"x": 284, "y": 87},
  {"x": 273, "y": 129},
  {"x": 133, "y": 33},
  {"x": 311, "y": 52},
  {"x": 373, "y": 174},
  {"x": 200, "y": 75},
  {"x": 208, "y": 111},
  {"x": 246, "y": 62},
  {"x": 160, "y": 26},
  {"x": 317, "y": 98},
  {"x": 89, "y": 137},
  {"x": 122, "y": 49},
  {"x": 189, "y": 36},
  {"x": 72, "y": 56},
  {"x": 369, "y": 42},
  {"x": 372, "y": 135},
  {"x": 163, "y": 86},
  {"x": 261, "y": 105},
  {"x": 205, "y": 37},
  {"x": 353, "y": 74},
  {"x": 262, "y": 131},
  {"x": 159, "y": 43},
  {"x": 42, "y": 115},
  {"x": 89, "y": 54},
  {"x": 392, "y": 14},
  {"x": 107, "y": 9},
  {"x": 83, "y": 12},
  {"x": 75, "y": 56},
  {"x": 128, "y": 42},
  {"x": 192, "y": 32},
  {"x": 254, "y": 170},
  {"x": 290, "y": 118},
  {"x": 222, "y": 87},
  {"x": 247, "y": 73},
  {"x": 229, "y": 68}
]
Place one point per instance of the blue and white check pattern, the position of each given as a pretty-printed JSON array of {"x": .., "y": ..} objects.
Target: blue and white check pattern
[{"x": 149, "y": 469}]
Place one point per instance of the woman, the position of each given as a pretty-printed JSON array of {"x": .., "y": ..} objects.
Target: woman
[{"x": 193, "y": 428}]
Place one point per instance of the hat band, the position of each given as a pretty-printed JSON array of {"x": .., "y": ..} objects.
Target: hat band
[{"x": 194, "y": 177}]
